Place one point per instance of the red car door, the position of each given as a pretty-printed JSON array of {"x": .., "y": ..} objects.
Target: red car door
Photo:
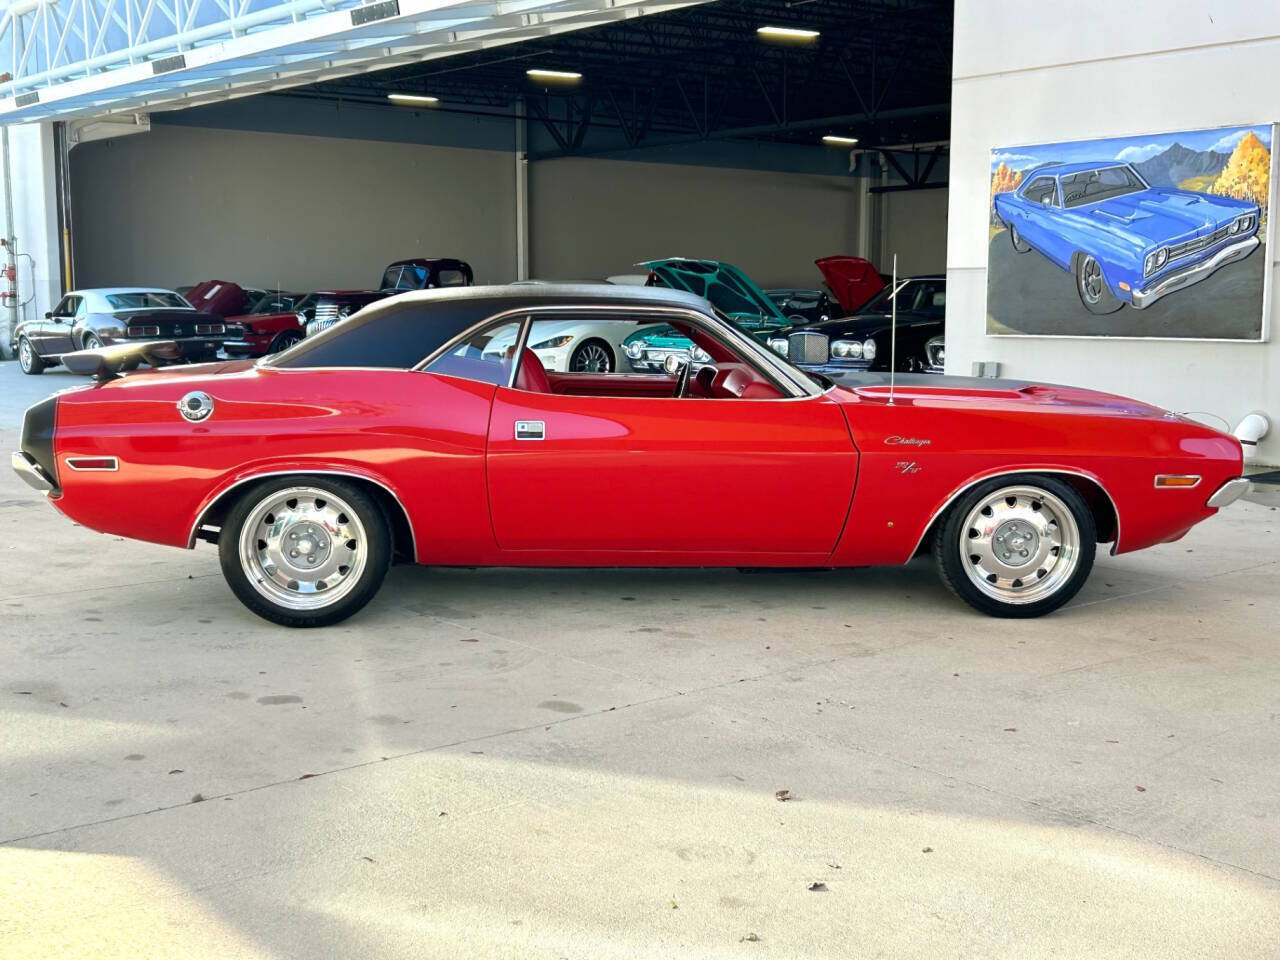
[{"x": 689, "y": 476}]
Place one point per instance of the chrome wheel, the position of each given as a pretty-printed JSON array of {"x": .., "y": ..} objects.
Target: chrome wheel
[
  {"x": 591, "y": 357},
  {"x": 91, "y": 342},
  {"x": 1091, "y": 283},
  {"x": 285, "y": 341},
  {"x": 1020, "y": 544},
  {"x": 303, "y": 548},
  {"x": 25, "y": 354}
]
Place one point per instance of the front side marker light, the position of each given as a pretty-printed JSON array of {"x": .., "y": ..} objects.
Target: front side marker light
[{"x": 1166, "y": 481}]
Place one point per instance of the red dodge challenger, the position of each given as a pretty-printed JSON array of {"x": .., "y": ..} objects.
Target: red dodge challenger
[{"x": 425, "y": 429}]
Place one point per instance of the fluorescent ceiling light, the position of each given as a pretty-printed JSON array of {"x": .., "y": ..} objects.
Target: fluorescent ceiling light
[
  {"x": 537, "y": 74},
  {"x": 833, "y": 140},
  {"x": 787, "y": 33},
  {"x": 414, "y": 98}
]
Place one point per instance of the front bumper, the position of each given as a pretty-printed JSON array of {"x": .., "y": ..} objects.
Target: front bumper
[
  {"x": 25, "y": 466},
  {"x": 244, "y": 348},
  {"x": 1194, "y": 272},
  {"x": 1229, "y": 492}
]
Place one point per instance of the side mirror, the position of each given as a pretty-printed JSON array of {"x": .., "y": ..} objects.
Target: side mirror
[
  {"x": 808, "y": 347},
  {"x": 48, "y": 314},
  {"x": 1046, "y": 202}
]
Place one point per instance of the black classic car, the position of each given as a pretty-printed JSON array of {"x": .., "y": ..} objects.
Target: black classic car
[
  {"x": 420, "y": 274},
  {"x": 90, "y": 319},
  {"x": 862, "y": 341}
]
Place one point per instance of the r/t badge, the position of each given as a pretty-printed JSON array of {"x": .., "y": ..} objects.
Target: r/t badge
[{"x": 907, "y": 467}]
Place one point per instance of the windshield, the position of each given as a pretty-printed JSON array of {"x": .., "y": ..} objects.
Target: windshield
[
  {"x": 283, "y": 303},
  {"x": 147, "y": 300},
  {"x": 1090, "y": 186},
  {"x": 801, "y": 376},
  {"x": 917, "y": 296},
  {"x": 406, "y": 276}
]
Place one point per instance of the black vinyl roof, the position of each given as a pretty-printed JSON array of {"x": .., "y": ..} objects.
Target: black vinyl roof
[{"x": 401, "y": 331}]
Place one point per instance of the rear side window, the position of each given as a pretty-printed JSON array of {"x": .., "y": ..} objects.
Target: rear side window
[
  {"x": 452, "y": 278},
  {"x": 397, "y": 337},
  {"x": 487, "y": 356}
]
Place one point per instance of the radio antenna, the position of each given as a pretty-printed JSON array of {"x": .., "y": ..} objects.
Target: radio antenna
[{"x": 893, "y": 329}]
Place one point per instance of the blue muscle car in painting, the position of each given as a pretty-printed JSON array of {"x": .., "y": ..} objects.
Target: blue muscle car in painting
[{"x": 1124, "y": 241}]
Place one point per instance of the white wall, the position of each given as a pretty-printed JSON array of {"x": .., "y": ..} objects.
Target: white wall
[
  {"x": 1022, "y": 74},
  {"x": 914, "y": 226},
  {"x": 35, "y": 221},
  {"x": 592, "y": 218},
  {"x": 183, "y": 204}
]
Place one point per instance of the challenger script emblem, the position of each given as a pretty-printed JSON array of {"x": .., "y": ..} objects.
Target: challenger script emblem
[{"x": 896, "y": 441}]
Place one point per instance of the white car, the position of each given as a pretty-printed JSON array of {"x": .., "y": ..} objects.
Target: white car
[{"x": 576, "y": 346}]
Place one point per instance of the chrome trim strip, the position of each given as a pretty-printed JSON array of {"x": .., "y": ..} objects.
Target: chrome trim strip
[
  {"x": 1229, "y": 493},
  {"x": 195, "y": 529},
  {"x": 71, "y": 462},
  {"x": 745, "y": 345},
  {"x": 1007, "y": 473}
]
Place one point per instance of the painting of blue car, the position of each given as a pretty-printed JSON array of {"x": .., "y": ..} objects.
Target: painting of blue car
[{"x": 1165, "y": 226}]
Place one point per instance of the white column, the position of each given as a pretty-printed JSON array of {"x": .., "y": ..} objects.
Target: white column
[
  {"x": 34, "y": 190},
  {"x": 522, "y": 192}
]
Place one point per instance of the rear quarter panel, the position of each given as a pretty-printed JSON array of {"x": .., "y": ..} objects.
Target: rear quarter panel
[{"x": 420, "y": 436}]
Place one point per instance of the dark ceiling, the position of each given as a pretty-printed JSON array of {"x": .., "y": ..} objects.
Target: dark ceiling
[{"x": 880, "y": 71}]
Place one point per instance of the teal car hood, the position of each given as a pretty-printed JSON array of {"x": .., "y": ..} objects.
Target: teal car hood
[{"x": 730, "y": 290}]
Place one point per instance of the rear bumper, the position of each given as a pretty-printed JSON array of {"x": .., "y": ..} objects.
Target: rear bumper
[
  {"x": 1195, "y": 272},
  {"x": 32, "y": 474}
]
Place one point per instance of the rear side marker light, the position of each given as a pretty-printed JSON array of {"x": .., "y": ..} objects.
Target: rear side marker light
[
  {"x": 98, "y": 464},
  {"x": 1184, "y": 480}
]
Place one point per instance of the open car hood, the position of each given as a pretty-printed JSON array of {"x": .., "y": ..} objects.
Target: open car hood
[
  {"x": 728, "y": 288},
  {"x": 852, "y": 280}
]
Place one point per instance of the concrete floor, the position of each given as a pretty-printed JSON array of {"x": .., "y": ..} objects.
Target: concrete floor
[{"x": 584, "y": 764}]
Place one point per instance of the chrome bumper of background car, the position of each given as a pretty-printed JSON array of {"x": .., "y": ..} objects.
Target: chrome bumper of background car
[
  {"x": 31, "y": 472},
  {"x": 852, "y": 366},
  {"x": 1195, "y": 272},
  {"x": 1229, "y": 492}
]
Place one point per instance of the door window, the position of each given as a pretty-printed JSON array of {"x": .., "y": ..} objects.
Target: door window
[
  {"x": 66, "y": 307},
  {"x": 487, "y": 356},
  {"x": 82, "y": 307},
  {"x": 1042, "y": 190}
]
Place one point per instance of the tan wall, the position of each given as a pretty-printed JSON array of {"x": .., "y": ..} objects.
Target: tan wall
[
  {"x": 592, "y": 217},
  {"x": 183, "y": 204}
]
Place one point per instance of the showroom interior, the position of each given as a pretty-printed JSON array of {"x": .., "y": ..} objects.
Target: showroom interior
[{"x": 698, "y": 762}]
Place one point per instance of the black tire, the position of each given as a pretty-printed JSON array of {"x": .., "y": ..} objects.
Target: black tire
[
  {"x": 284, "y": 341},
  {"x": 595, "y": 352},
  {"x": 954, "y": 536},
  {"x": 28, "y": 360},
  {"x": 1015, "y": 238},
  {"x": 377, "y": 544},
  {"x": 1092, "y": 287}
]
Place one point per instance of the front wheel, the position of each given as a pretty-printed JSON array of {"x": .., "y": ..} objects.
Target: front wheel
[
  {"x": 284, "y": 341},
  {"x": 1018, "y": 546},
  {"x": 305, "y": 551},
  {"x": 1019, "y": 245},
  {"x": 1092, "y": 287},
  {"x": 28, "y": 359}
]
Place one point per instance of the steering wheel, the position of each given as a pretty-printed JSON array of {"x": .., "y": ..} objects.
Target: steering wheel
[{"x": 682, "y": 379}]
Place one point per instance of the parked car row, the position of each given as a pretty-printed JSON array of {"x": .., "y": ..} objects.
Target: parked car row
[{"x": 853, "y": 310}]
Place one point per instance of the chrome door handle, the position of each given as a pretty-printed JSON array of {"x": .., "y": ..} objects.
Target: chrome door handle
[{"x": 531, "y": 430}]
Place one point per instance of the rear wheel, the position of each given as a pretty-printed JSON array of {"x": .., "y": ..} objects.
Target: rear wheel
[
  {"x": 592, "y": 356},
  {"x": 28, "y": 359},
  {"x": 305, "y": 551},
  {"x": 90, "y": 341},
  {"x": 1018, "y": 546}
]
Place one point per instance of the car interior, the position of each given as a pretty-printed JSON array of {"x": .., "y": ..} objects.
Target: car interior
[{"x": 489, "y": 356}]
